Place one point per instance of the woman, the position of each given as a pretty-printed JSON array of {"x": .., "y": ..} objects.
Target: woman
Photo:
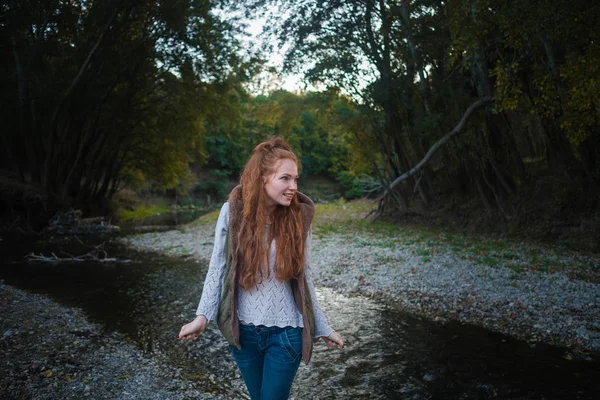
[{"x": 257, "y": 285}]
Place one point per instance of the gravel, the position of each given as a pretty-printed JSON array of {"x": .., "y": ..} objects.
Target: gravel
[
  {"x": 530, "y": 305},
  {"x": 556, "y": 305},
  {"x": 49, "y": 351}
]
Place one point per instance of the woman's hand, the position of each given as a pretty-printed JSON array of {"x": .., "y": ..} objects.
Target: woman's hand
[
  {"x": 334, "y": 340},
  {"x": 193, "y": 329}
]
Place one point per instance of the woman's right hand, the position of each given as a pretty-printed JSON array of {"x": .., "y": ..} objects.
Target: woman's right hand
[{"x": 193, "y": 329}]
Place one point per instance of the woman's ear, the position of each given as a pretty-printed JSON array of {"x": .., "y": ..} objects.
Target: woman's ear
[{"x": 266, "y": 179}]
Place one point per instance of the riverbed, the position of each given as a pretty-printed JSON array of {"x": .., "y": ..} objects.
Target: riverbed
[{"x": 126, "y": 314}]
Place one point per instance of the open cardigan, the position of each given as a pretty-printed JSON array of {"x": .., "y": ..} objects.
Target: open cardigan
[{"x": 227, "y": 319}]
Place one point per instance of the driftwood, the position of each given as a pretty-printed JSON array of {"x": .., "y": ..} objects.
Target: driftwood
[
  {"x": 54, "y": 258},
  {"x": 437, "y": 145},
  {"x": 70, "y": 223},
  {"x": 98, "y": 254},
  {"x": 92, "y": 220}
]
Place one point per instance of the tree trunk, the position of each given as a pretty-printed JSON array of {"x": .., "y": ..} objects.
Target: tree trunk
[
  {"x": 25, "y": 136},
  {"x": 500, "y": 145},
  {"x": 50, "y": 150}
]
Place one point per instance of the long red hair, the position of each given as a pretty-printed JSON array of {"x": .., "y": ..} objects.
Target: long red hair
[{"x": 286, "y": 221}]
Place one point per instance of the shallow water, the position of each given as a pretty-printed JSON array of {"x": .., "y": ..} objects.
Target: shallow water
[{"x": 388, "y": 354}]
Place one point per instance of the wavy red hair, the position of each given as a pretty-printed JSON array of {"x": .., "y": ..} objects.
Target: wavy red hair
[{"x": 286, "y": 221}]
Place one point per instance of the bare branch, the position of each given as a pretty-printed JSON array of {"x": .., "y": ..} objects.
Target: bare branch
[{"x": 457, "y": 129}]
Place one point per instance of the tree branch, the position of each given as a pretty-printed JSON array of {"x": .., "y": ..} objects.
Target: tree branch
[{"x": 436, "y": 146}]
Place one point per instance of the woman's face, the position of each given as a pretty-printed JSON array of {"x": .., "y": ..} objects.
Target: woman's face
[{"x": 281, "y": 186}]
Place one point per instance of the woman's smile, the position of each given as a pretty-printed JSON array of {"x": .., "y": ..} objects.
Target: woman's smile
[{"x": 281, "y": 186}]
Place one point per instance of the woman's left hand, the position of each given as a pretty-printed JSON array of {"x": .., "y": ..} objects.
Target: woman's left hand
[{"x": 334, "y": 340}]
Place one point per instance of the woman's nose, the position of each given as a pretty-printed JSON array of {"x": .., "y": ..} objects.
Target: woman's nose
[{"x": 294, "y": 185}]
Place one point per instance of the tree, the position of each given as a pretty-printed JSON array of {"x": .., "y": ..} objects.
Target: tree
[
  {"x": 416, "y": 67},
  {"x": 96, "y": 92}
]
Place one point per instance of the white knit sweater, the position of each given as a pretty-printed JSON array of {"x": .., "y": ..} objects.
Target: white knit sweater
[{"x": 270, "y": 303}]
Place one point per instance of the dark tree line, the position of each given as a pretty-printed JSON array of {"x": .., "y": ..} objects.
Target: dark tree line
[
  {"x": 483, "y": 99},
  {"x": 416, "y": 66},
  {"x": 99, "y": 93}
]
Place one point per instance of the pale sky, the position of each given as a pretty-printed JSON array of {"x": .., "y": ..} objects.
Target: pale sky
[
  {"x": 268, "y": 82},
  {"x": 289, "y": 82}
]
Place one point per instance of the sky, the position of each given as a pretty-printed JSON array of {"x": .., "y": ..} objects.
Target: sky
[
  {"x": 289, "y": 82},
  {"x": 268, "y": 82}
]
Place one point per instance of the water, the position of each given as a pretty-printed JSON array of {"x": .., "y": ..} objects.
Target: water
[{"x": 388, "y": 355}]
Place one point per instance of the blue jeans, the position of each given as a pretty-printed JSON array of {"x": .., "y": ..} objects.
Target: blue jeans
[{"x": 268, "y": 359}]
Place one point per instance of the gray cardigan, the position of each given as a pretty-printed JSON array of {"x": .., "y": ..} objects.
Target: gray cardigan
[{"x": 271, "y": 303}]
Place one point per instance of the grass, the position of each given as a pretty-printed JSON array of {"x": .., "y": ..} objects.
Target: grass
[
  {"x": 423, "y": 252},
  {"x": 206, "y": 219},
  {"x": 341, "y": 217},
  {"x": 491, "y": 260},
  {"x": 142, "y": 212},
  {"x": 515, "y": 267},
  {"x": 348, "y": 218}
]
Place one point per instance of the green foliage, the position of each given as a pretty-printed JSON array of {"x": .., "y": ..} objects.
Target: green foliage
[
  {"x": 216, "y": 187},
  {"x": 224, "y": 154},
  {"x": 508, "y": 92},
  {"x": 102, "y": 94},
  {"x": 545, "y": 61},
  {"x": 349, "y": 184},
  {"x": 310, "y": 122},
  {"x": 357, "y": 186},
  {"x": 106, "y": 94},
  {"x": 415, "y": 67},
  {"x": 581, "y": 112}
]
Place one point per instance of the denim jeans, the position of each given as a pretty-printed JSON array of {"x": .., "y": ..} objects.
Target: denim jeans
[{"x": 268, "y": 359}]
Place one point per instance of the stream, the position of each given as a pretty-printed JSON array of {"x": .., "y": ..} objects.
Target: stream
[{"x": 388, "y": 354}]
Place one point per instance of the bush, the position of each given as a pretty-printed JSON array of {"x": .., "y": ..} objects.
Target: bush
[
  {"x": 354, "y": 187},
  {"x": 217, "y": 188}
]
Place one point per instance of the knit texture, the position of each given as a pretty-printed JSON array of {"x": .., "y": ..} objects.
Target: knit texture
[{"x": 270, "y": 303}]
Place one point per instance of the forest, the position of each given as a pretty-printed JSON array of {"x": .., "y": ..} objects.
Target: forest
[
  {"x": 451, "y": 149},
  {"x": 480, "y": 113}
]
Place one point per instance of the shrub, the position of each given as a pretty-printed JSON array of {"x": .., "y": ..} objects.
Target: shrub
[{"x": 354, "y": 187}]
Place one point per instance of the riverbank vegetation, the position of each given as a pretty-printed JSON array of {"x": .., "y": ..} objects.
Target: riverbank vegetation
[{"x": 481, "y": 115}]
